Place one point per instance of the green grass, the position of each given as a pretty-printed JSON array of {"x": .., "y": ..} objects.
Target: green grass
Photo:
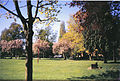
[{"x": 12, "y": 69}]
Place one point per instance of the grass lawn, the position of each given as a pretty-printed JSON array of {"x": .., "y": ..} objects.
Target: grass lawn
[{"x": 12, "y": 69}]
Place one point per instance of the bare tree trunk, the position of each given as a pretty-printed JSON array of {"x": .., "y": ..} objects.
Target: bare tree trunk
[
  {"x": 114, "y": 56},
  {"x": 64, "y": 56},
  {"x": 29, "y": 59},
  {"x": 29, "y": 54},
  {"x": 38, "y": 57},
  {"x": 105, "y": 57},
  {"x": 29, "y": 34},
  {"x": 90, "y": 57}
]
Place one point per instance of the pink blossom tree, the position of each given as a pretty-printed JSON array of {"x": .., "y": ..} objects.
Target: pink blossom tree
[
  {"x": 15, "y": 47},
  {"x": 40, "y": 46},
  {"x": 11, "y": 46},
  {"x": 3, "y": 45},
  {"x": 62, "y": 47}
]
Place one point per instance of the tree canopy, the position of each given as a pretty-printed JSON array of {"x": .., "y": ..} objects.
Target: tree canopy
[
  {"x": 15, "y": 31},
  {"x": 76, "y": 38},
  {"x": 97, "y": 21},
  {"x": 62, "y": 29},
  {"x": 46, "y": 8},
  {"x": 46, "y": 34}
]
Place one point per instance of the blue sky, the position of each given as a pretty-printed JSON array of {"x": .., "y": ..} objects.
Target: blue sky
[{"x": 64, "y": 15}]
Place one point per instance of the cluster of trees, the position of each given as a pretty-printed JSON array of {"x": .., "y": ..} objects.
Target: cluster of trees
[
  {"x": 42, "y": 47},
  {"x": 100, "y": 21},
  {"x": 44, "y": 42},
  {"x": 46, "y": 34},
  {"x": 70, "y": 42},
  {"x": 91, "y": 30},
  {"x": 62, "y": 47},
  {"x": 48, "y": 10},
  {"x": 15, "y": 31},
  {"x": 11, "y": 41},
  {"x": 11, "y": 48},
  {"x": 97, "y": 23}
]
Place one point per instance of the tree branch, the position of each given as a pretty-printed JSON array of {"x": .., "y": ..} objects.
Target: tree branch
[
  {"x": 9, "y": 10},
  {"x": 6, "y": 2},
  {"x": 23, "y": 20},
  {"x": 51, "y": 3},
  {"x": 18, "y": 10},
  {"x": 29, "y": 11},
  {"x": 15, "y": 9},
  {"x": 37, "y": 7},
  {"x": 42, "y": 20}
]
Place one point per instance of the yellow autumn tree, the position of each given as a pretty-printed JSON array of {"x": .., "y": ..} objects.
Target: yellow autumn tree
[{"x": 76, "y": 38}]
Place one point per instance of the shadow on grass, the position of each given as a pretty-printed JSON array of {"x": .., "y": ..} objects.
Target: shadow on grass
[
  {"x": 113, "y": 63},
  {"x": 112, "y": 75},
  {"x": 51, "y": 58}
]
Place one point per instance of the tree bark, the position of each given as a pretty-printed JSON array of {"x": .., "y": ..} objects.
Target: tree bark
[
  {"x": 29, "y": 35},
  {"x": 90, "y": 57},
  {"x": 29, "y": 58},
  {"x": 114, "y": 56},
  {"x": 105, "y": 57},
  {"x": 64, "y": 56},
  {"x": 38, "y": 57}
]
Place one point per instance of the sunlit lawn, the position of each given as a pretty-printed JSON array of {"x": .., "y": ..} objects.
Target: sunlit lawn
[{"x": 12, "y": 69}]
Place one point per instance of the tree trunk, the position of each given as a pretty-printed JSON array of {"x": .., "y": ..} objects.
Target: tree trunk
[
  {"x": 10, "y": 55},
  {"x": 38, "y": 57},
  {"x": 114, "y": 56},
  {"x": 105, "y": 57},
  {"x": 43, "y": 54},
  {"x": 29, "y": 56},
  {"x": 105, "y": 60},
  {"x": 29, "y": 34},
  {"x": 90, "y": 57},
  {"x": 64, "y": 56}
]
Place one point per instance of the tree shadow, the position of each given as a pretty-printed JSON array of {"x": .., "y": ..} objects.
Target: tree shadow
[
  {"x": 54, "y": 59},
  {"x": 112, "y": 75},
  {"x": 113, "y": 63}
]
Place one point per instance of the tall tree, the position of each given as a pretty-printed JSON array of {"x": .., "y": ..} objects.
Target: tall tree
[
  {"x": 62, "y": 29},
  {"x": 76, "y": 38},
  {"x": 14, "y": 32},
  {"x": 115, "y": 41},
  {"x": 97, "y": 21},
  {"x": 46, "y": 7}
]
